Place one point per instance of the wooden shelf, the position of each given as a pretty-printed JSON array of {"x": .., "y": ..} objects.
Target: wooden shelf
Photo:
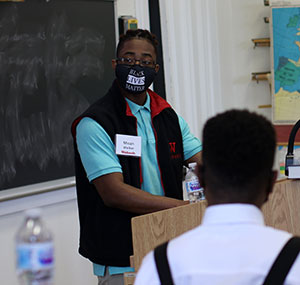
[
  {"x": 264, "y": 106},
  {"x": 262, "y": 42},
  {"x": 261, "y": 76}
]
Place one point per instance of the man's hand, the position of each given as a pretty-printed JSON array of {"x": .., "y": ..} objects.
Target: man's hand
[{"x": 117, "y": 194}]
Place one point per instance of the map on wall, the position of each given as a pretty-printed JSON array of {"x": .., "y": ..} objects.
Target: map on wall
[{"x": 286, "y": 64}]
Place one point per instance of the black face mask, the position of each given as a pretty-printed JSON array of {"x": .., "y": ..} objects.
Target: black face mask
[{"x": 135, "y": 79}]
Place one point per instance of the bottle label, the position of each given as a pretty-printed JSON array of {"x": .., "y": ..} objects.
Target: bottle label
[
  {"x": 35, "y": 256},
  {"x": 192, "y": 186}
]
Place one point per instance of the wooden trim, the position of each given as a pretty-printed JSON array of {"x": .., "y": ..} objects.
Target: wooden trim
[{"x": 283, "y": 134}]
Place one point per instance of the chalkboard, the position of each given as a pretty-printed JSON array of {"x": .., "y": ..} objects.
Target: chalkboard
[{"x": 55, "y": 59}]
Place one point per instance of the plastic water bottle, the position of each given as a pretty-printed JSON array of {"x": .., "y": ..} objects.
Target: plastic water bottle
[
  {"x": 194, "y": 190},
  {"x": 34, "y": 251}
]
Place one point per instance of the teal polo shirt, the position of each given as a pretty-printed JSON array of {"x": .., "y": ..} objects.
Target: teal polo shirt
[{"x": 97, "y": 153}]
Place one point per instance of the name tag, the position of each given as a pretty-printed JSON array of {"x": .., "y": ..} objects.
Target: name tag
[{"x": 128, "y": 145}]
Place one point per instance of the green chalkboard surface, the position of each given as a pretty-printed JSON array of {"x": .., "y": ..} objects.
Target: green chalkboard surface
[{"x": 55, "y": 59}]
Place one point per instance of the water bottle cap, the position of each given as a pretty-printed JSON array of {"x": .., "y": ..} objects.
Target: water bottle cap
[
  {"x": 192, "y": 164},
  {"x": 33, "y": 213}
]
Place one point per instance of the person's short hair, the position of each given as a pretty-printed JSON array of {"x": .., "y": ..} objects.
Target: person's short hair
[
  {"x": 137, "y": 34},
  {"x": 238, "y": 154}
]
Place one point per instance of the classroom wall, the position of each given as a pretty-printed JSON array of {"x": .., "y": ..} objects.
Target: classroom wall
[
  {"x": 209, "y": 58},
  {"x": 239, "y": 22}
]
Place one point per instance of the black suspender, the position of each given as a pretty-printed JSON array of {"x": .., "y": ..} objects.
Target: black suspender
[
  {"x": 162, "y": 264},
  {"x": 276, "y": 275},
  {"x": 283, "y": 262}
]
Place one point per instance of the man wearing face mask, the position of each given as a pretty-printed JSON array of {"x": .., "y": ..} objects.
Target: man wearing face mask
[{"x": 130, "y": 147}]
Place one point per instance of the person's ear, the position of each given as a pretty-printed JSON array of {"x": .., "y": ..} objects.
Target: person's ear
[
  {"x": 273, "y": 178},
  {"x": 271, "y": 182},
  {"x": 113, "y": 64},
  {"x": 156, "y": 67}
]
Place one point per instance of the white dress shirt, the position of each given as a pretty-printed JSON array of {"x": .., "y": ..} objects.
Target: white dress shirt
[{"x": 231, "y": 246}]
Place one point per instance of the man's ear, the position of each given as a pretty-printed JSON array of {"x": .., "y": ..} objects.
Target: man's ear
[
  {"x": 272, "y": 180},
  {"x": 113, "y": 64},
  {"x": 156, "y": 67}
]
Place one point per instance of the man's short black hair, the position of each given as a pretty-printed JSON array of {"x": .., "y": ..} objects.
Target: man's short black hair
[
  {"x": 137, "y": 34},
  {"x": 238, "y": 154}
]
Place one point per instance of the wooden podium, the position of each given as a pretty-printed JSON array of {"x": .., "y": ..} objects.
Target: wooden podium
[{"x": 282, "y": 211}]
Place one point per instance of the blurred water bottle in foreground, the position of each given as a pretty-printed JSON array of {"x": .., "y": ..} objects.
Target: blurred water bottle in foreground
[
  {"x": 194, "y": 190},
  {"x": 34, "y": 251}
]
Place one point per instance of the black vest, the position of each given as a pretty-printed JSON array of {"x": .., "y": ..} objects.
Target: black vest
[{"x": 105, "y": 233}]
